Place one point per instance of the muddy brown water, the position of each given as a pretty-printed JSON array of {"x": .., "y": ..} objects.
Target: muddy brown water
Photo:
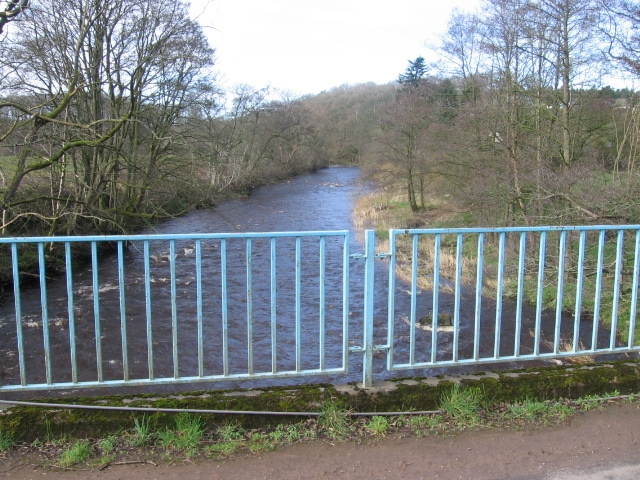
[{"x": 321, "y": 201}]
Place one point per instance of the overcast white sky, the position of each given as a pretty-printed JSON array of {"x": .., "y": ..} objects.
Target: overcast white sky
[{"x": 307, "y": 46}]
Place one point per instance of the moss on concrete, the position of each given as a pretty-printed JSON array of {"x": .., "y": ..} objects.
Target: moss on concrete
[{"x": 408, "y": 394}]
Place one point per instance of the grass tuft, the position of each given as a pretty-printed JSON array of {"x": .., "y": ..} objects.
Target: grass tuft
[
  {"x": 223, "y": 449},
  {"x": 259, "y": 441},
  {"x": 141, "y": 434},
  {"x": 108, "y": 445},
  {"x": 378, "y": 425},
  {"x": 528, "y": 409},
  {"x": 230, "y": 431},
  {"x": 6, "y": 442},
  {"x": 185, "y": 437},
  {"x": 463, "y": 405},
  {"x": 334, "y": 421},
  {"x": 77, "y": 452}
]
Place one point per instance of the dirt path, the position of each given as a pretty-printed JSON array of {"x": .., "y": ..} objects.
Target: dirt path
[{"x": 590, "y": 442}]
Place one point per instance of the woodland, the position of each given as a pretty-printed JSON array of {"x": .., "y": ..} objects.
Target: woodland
[{"x": 112, "y": 118}]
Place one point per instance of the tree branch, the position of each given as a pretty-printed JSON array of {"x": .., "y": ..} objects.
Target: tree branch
[{"x": 11, "y": 11}]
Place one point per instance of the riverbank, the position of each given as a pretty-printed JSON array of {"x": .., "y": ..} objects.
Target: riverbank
[{"x": 603, "y": 290}]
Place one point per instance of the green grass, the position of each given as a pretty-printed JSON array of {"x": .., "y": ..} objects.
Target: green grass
[
  {"x": 334, "y": 422},
  {"x": 596, "y": 402},
  {"x": 419, "y": 422},
  {"x": 378, "y": 425},
  {"x": 231, "y": 439},
  {"x": 6, "y": 442},
  {"x": 295, "y": 432},
  {"x": 223, "y": 449},
  {"x": 77, "y": 452},
  {"x": 561, "y": 411},
  {"x": 462, "y": 408},
  {"x": 186, "y": 435},
  {"x": 529, "y": 410},
  {"x": 48, "y": 425},
  {"x": 108, "y": 445},
  {"x": 260, "y": 441},
  {"x": 230, "y": 431},
  {"x": 463, "y": 405},
  {"x": 141, "y": 434}
]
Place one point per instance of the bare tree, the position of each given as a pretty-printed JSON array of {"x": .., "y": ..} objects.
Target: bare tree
[
  {"x": 10, "y": 9},
  {"x": 409, "y": 130},
  {"x": 621, "y": 32},
  {"x": 104, "y": 88}
]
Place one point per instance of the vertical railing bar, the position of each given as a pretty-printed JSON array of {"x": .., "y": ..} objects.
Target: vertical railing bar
[
  {"x": 45, "y": 311},
  {"x": 634, "y": 292},
  {"x": 297, "y": 303},
  {"x": 123, "y": 312},
  {"x": 598, "y": 293},
  {"x": 199, "y": 307},
  {"x": 391, "y": 300},
  {"x": 147, "y": 305},
  {"x": 542, "y": 254},
  {"x": 249, "y": 263},
  {"x": 345, "y": 300},
  {"x": 18, "y": 311},
  {"x": 579, "y": 287},
  {"x": 71, "y": 312},
  {"x": 521, "y": 265},
  {"x": 369, "y": 289},
  {"x": 457, "y": 292},
  {"x": 322, "y": 312},
  {"x": 96, "y": 309},
  {"x": 616, "y": 290},
  {"x": 435, "y": 308},
  {"x": 174, "y": 308},
  {"x": 478, "y": 306},
  {"x": 499, "y": 294},
  {"x": 224, "y": 307},
  {"x": 274, "y": 311},
  {"x": 560, "y": 290},
  {"x": 414, "y": 299}
]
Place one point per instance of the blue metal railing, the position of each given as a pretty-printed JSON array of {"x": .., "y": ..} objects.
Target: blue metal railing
[
  {"x": 177, "y": 308},
  {"x": 158, "y": 309},
  {"x": 522, "y": 294}
]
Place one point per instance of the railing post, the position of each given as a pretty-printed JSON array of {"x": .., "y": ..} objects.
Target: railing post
[{"x": 369, "y": 284}]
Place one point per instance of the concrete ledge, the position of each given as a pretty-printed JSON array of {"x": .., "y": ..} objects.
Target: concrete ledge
[{"x": 27, "y": 423}]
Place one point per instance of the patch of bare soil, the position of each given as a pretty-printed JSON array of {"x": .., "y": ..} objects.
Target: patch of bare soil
[{"x": 592, "y": 440}]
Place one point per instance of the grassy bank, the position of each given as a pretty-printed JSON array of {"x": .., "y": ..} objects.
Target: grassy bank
[
  {"x": 385, "y": 210},
  {"x": 189, "y": 438},
  {"x": 67, "y": 438}
]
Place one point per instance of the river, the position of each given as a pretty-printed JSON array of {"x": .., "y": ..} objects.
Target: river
[{"x": 321, "y": 201}]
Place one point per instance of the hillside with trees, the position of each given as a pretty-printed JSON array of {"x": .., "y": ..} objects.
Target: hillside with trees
[
  {"x": 515, "y": 124},
  {"x": 111, "y": 117}
]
